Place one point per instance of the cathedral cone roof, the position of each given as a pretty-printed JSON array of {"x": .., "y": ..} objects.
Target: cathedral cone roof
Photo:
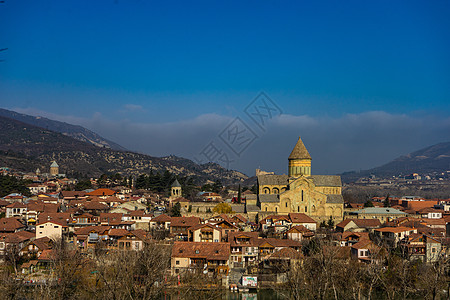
[
  {"x": 54, "y": 164},
  {"x": 176, "y": 183},
  {"x": 299, "y": 151}
]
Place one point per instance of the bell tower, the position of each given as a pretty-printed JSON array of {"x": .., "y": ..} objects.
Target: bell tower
[
  {"x": 299, "y": 160},
  {"x": 175, "y": 191}
]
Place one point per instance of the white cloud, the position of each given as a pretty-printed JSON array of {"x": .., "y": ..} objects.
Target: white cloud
[{"x": 133, "y": 107}]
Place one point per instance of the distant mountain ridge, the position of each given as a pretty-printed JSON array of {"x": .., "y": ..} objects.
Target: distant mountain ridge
[
  {"x": 75, "y": 131},
  {"x": 435, "y": 158},
  {"x": 26, "y": 147}
]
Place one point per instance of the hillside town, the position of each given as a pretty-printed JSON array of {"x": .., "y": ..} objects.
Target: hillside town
[{"x": 235, "y": 239}]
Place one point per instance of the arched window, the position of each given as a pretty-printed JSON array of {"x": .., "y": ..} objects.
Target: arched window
[
  {"x": 266, "y": 208},
  {"x": 302, "y": 195},
  {"x": 266, "y": 190},
  {"x": 275, "y": 191},
  {"x": 306, "y": 209},
  {"x": 298, "y": 208},
  {"x": 276, "y": 209},
  {"x": 286, "y": 204}
]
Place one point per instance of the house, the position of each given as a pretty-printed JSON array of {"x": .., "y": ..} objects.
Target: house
[
  {"x": 133, "y": 240},
  {"x": 239, "y": 220},
  {"x": 364, "y": 250},
  {"x": 210, "y": 196},
  {"x": 384, "y": 214},
  {"x": 112, "y": 219},
  {"x": 298, "y": 233},
  {"x": 36, "y": 188},
  {"x": 68, "y": 196},
  {"x": 212, "y": 258},
  {"x": 34, "y": 248},
  {"x": 226, "y": 227},
  {"x": 85, "y": 219},
  {"x": 140, "y": 218},
  {"x": 304, "y": 220},
  {"x": 422, "y": 247},
  {"x": 430, "y": 213},
  {"x": 179, "y": 226},
  {"x": 89, "y": 236},
  {"x": 160, "y": 222},
  {"x": 35, "y": 208},
  {"x": 10, "y": 225},
  {"x": 48, "y": 199},
  {"x": 393, "y": 235},
  {"x": 131, "y": 206},
  {"x": 51, "y": 229},
  {"x": 14, "y": 241},
  {"x": 358, "y": 225},
  {"x": 270, "y": 245},
  {"x": 283, "y": 259},
  {"x": 205, "y": 233},
  {"x": 244, "y": 248},
  {"x": 277, "y": 223},
  {"x": 16, "y": 210},
  {"x": 349, "y": 238}
]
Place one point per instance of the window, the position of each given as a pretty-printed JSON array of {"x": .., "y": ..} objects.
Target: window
[
  {"x": 286, "y": 204},
  {"x": 433, "y": 250},
  {"x": 306, "y": 209},
  {"x": 197, "y": 252},
  {"x": 298, "y": 208},
  {"x": 177, "y": 262}
]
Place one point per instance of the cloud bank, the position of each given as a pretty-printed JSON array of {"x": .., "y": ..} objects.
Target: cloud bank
[{"x": 349, "y": 142}]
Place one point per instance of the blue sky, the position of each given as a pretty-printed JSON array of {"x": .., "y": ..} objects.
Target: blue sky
[{"x": 166, "y": 77}]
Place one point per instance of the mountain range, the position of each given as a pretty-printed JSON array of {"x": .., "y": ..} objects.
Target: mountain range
[
  {"x": 432, "y": 159},
  {"x": 26, "y": 147},
  {"x": 75, "y": 131}
]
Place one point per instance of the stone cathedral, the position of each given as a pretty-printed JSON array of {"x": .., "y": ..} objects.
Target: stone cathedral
[{"x": 318, "y": 196}]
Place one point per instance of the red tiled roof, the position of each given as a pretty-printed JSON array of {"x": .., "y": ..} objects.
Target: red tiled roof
[
  {"x": 118, "y": 232},
  {"x": 184, "y": 221},
  {"x": 10, "y": 224},
  {"x": 16, "y": 205},
  {"x": 301, "y": 229},
  {"x": 162, "y": 218},
  {"x": 344, "y": 223},
  {"x": 210, "y": 251},
  {"x": 300, "y": 218},
  {"x": 394, "y": 229},
  {"x": 94, "y": 205},
  {"x": 367, "y": 223},
  {"x": 101, "y": 192},
  {"x": 287, "y": 253}
]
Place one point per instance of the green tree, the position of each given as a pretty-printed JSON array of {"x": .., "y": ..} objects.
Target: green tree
[
  {"x": 254, "y": 189},
  {"x": 330, "y": 223},
  {"x": 386, "y": 201},
  {"x": 368, "y": 204},
  {"x": 239, "y": 198},
  {"x": 176, "y": 210},
  {"x": 83, "y": 184},
  {"x": 10, "y": 184}
]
